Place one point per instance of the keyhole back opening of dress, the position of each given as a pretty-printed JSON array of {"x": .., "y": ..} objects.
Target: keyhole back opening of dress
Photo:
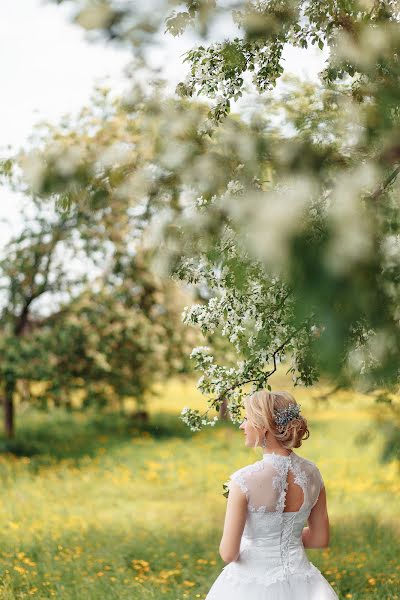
[{"x": 294, "y": 494}]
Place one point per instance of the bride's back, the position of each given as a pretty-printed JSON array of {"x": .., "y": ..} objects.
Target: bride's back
[
  {"x": 281, "y": 492},
  {"x": 279, "y": 483}
]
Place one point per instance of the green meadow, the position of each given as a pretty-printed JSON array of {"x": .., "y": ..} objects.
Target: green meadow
[{"x": 97, "y": 506}]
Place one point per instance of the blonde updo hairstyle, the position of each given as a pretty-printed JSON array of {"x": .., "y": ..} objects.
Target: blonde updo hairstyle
[{"x": 261, "y": 407}]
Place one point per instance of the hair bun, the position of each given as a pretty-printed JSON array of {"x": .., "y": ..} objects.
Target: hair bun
[
  {"x": 263, "y": 407},
  {"x": 293, "y": 434}
]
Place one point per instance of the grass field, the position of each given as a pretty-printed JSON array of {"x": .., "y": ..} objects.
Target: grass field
[{"x": 97, "y": 507}]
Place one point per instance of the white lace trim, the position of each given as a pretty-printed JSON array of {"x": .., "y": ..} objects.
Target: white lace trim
[
  {"x": 238, "y": 477},
  {"x": 279, "y": 480}
]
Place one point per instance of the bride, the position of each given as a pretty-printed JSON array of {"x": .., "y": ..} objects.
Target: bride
[{"x": 269, "y": 503}]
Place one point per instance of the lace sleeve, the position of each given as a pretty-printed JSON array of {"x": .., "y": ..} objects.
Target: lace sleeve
[
  {"x": 239, "y": 478},
  {"x": 321, "y": 481},
  {"x": 316, "y": 485}
]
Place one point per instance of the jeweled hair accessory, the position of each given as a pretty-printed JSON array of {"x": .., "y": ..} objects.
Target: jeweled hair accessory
[{"x": 284, "y": 415}]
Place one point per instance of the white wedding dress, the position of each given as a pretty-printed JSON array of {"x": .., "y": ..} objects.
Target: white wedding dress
[{"x": 272, "y": 564}]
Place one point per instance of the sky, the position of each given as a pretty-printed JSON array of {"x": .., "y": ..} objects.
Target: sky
[{"x": 49, "y": 68}]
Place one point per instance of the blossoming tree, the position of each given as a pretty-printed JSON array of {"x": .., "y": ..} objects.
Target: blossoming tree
[{"x": 289, "y": 218}]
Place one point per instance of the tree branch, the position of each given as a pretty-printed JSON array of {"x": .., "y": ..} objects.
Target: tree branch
[
  {"x": 281, "y": 347},
  {"x": 382, "y": 187},
  {"x": 265, "y": 375}
]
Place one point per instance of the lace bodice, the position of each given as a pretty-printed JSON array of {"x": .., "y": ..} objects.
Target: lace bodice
[
  {"x": 271, "y": 547},
  {"x": 265, "y": 482}
]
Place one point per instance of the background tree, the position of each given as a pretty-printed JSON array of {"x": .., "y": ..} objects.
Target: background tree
[
  {"x": 34, "y": 269},
  {"x": 82, "y": 314},
  {"x": 318, "y": 184},
  {"x": 119, "y": 337}
]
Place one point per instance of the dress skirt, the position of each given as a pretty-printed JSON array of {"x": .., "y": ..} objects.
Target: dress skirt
[{"x": 294, "y": 587}]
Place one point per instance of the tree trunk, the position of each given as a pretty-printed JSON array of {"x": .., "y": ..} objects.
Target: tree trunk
[
  {"x": 223, "y": 410},
  {"x": 9, "y": 410}
]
